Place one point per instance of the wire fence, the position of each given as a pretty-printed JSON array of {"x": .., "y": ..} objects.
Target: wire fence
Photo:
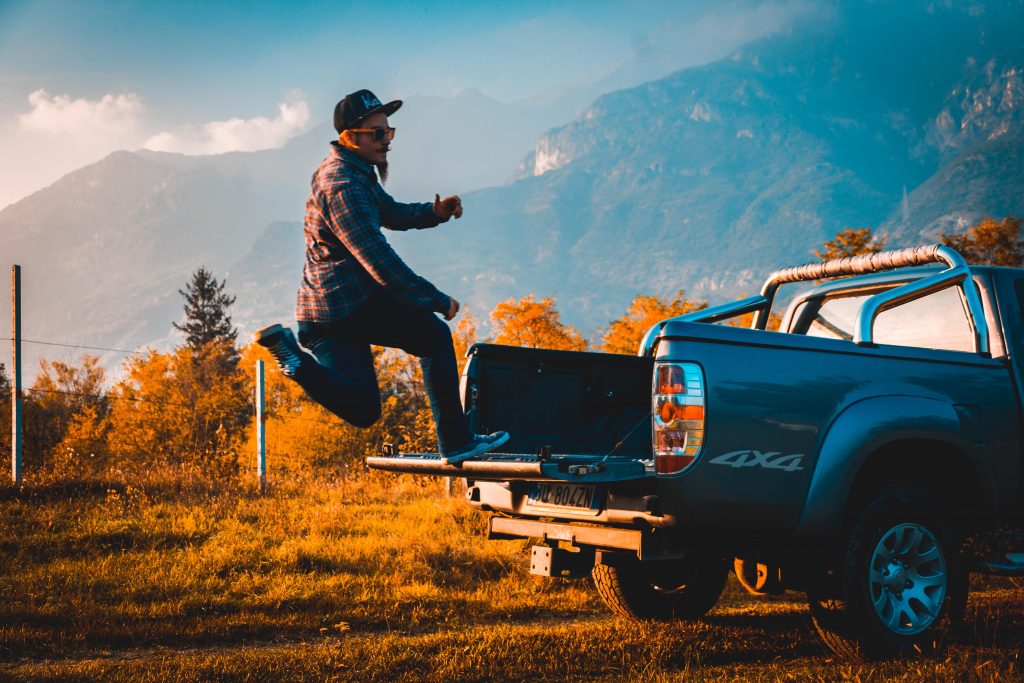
[
  {"x": 287, "y": 461},
  {"x": 75, "y": 346}
]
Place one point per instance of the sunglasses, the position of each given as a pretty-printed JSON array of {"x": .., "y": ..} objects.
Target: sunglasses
[{"x": 378, "y": 133}]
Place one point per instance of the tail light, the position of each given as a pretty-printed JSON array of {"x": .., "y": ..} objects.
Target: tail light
[{"x": 678, "y": 405}]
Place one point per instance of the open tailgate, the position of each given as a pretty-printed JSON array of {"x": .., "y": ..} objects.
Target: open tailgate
[{"x": 504, "y": 467}]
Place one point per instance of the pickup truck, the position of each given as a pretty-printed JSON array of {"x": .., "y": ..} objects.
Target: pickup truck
[{"x": 868, "y": 454}]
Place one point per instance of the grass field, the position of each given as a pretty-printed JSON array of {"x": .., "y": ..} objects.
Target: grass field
[{"x": 383, "y": 578}]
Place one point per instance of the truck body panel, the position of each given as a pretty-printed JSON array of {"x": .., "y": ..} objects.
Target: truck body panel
[{"x": 787, "y": 394}]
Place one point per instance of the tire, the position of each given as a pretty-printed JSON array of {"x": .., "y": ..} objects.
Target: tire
[
  {"x": 903, "y": 585},
  {"x": 660, "y": 591}
]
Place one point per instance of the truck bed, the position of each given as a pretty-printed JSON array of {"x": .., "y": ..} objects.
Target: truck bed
[{"x": 573, "y": 416}]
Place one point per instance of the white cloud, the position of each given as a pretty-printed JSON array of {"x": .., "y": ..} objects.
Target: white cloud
[
  {"x": 235, "y": 134},
  {"x": 113, "y": 116}
]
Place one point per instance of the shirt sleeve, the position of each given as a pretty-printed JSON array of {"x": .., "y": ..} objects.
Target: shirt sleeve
[
  {"x": 355, "y": 220},
  {"x": 398, "y": 216}
]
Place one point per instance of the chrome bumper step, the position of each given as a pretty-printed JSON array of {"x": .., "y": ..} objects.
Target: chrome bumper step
[{"x": 507, "y": 466}]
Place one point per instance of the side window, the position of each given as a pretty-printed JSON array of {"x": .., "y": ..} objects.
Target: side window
[{"x": 937, "y": 321}]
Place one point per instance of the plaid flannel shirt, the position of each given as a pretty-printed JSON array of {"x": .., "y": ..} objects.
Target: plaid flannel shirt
[{"x": 347, "y": 256}]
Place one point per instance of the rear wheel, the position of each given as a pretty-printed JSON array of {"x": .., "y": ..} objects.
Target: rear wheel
[
  {"x": 903, "y": 585},
  {"x": 661, "y": 591}
]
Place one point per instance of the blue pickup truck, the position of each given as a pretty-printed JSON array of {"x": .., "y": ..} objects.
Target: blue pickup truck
[{"x": 868, "y": 454}]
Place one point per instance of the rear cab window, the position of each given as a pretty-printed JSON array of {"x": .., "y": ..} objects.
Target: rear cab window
[{"x": 936, "y": 321}]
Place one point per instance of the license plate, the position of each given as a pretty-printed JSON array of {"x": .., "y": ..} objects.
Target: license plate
[{"x": 576, "y": 498}]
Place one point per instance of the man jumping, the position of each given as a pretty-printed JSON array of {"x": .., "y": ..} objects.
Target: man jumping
[{"x": 356, "y": 291}]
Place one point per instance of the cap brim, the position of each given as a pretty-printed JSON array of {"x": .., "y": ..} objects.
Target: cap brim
[{"x": 388, "y": 109}]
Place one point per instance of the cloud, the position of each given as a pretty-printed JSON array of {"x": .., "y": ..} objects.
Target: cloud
[
  {"x": 112, "y": 116},
  {"x": 235, "y": 134}
]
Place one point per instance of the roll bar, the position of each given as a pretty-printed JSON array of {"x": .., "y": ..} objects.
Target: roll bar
[{"x": 956, "y": 273}]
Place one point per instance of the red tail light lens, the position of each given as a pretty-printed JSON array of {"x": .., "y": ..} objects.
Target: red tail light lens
[
  {"x": 670, "y": 379},
  {"x": 679, "y": 414}
]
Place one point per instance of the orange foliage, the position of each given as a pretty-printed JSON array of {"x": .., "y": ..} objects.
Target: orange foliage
[
  {"x": 464, "y": 336},
  {"x": 180, "y": 406},
  {"x": 624, "y": 334},
  {"x": 60, "y": 393},
  {"x": 991, "y": 243},
  {"x": 535, "y": 324},
  {"x": 851, "y": 242}
]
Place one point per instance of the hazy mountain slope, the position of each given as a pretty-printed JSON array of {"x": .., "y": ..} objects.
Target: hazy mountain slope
[
  {"x": 711, "y": 177},
  {"x": 104, "y": 249}
]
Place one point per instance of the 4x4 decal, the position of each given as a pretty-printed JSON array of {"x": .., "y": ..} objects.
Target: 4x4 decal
[{"x": 772, "y": 460}]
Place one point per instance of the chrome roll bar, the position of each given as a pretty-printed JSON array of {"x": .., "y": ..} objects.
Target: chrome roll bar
[{"x": 956, "y": 273}]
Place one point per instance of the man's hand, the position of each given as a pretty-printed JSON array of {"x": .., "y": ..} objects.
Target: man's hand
[
  {"x": 447, "y": 207},
  {"x": 453, "y": 308}
]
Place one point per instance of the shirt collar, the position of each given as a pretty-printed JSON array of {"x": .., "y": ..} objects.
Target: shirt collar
[{"x": 350, "y": 158}]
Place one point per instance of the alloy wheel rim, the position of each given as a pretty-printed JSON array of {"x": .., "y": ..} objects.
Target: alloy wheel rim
[{"x": 907, "y": 579}]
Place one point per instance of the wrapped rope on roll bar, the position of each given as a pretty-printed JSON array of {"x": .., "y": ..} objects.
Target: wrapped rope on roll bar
[
  {"x": 957, "y": 273},
  {"x": 865, "y": 263}
]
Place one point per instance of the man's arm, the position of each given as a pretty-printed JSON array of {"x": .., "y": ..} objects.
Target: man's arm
[
  {"x": 398, "y": 216},
  {"x": 355, "y": 221}
]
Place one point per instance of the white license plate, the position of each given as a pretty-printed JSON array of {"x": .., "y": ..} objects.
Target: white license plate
[{"x": 577, "y": 498}]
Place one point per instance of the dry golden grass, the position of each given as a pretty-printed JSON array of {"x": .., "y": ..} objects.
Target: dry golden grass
[{"x": 377, "y": 579}]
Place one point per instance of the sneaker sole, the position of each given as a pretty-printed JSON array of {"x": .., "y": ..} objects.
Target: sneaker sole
[
  {"x": 479, "y": 450},
  {"x": 269, "y": 331}
]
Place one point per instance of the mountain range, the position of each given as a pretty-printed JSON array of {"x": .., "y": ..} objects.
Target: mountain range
[{"x": 903, "y": 116}]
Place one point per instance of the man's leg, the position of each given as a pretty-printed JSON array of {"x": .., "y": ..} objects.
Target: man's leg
[
  {"x": 396, "y": 324},
  {"x": 342, "y": 379}
]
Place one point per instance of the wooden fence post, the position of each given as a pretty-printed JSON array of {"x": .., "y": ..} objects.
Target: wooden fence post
[{"x": 16, "y": 419}]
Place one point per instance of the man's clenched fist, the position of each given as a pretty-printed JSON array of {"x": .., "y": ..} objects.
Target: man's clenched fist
[
  {"x": 453, "y": 308},
  {"x": 447, "y": 207}
]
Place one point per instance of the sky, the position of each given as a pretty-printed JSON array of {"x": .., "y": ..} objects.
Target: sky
[{"x": 81, "y": 78}]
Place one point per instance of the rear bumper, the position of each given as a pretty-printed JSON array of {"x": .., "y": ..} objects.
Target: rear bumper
[
  {"x": 631, "y": 503},
  {"x": 646, "y": 544}
]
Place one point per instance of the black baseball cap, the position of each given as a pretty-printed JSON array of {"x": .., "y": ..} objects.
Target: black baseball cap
[{"x": 357, "y": 106}]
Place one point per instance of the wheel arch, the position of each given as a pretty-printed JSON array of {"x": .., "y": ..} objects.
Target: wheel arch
[{"x": 907, "y": 440}]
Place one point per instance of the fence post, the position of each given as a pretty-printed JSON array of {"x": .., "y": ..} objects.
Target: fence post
[
  {"x": 261, "y": 428},
  {"x": 16, "y": 421}
]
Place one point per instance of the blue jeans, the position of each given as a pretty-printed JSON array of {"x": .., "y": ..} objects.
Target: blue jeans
[{"x": 343, "y": 380}]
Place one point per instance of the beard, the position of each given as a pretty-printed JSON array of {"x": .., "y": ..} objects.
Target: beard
[{"x": 382, "y": 171}]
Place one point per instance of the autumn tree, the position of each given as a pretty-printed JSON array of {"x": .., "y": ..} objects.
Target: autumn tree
[
  {"x": 533, "y": 323},
  {"x": 463, "y": 337},
  {"x": 5, "y": 410},
  {"x": 851, "y": 242},
  {"x": 990, "y": 243},
  {"x": 624, "y": 334},
  {"x": 207, "y": 326},
  {"x": 63, "y": 396},
  {"x": 181, "y": 406}
]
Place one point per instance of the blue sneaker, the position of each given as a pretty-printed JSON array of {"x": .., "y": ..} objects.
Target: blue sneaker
[
  {"x": 281, "y": 343},
  {"x": 478, "y": 445}
]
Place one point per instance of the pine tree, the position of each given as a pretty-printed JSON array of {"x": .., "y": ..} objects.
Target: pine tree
[
  {"x": 206, "y": 311},
  {"x": 208, "y": 329}
]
